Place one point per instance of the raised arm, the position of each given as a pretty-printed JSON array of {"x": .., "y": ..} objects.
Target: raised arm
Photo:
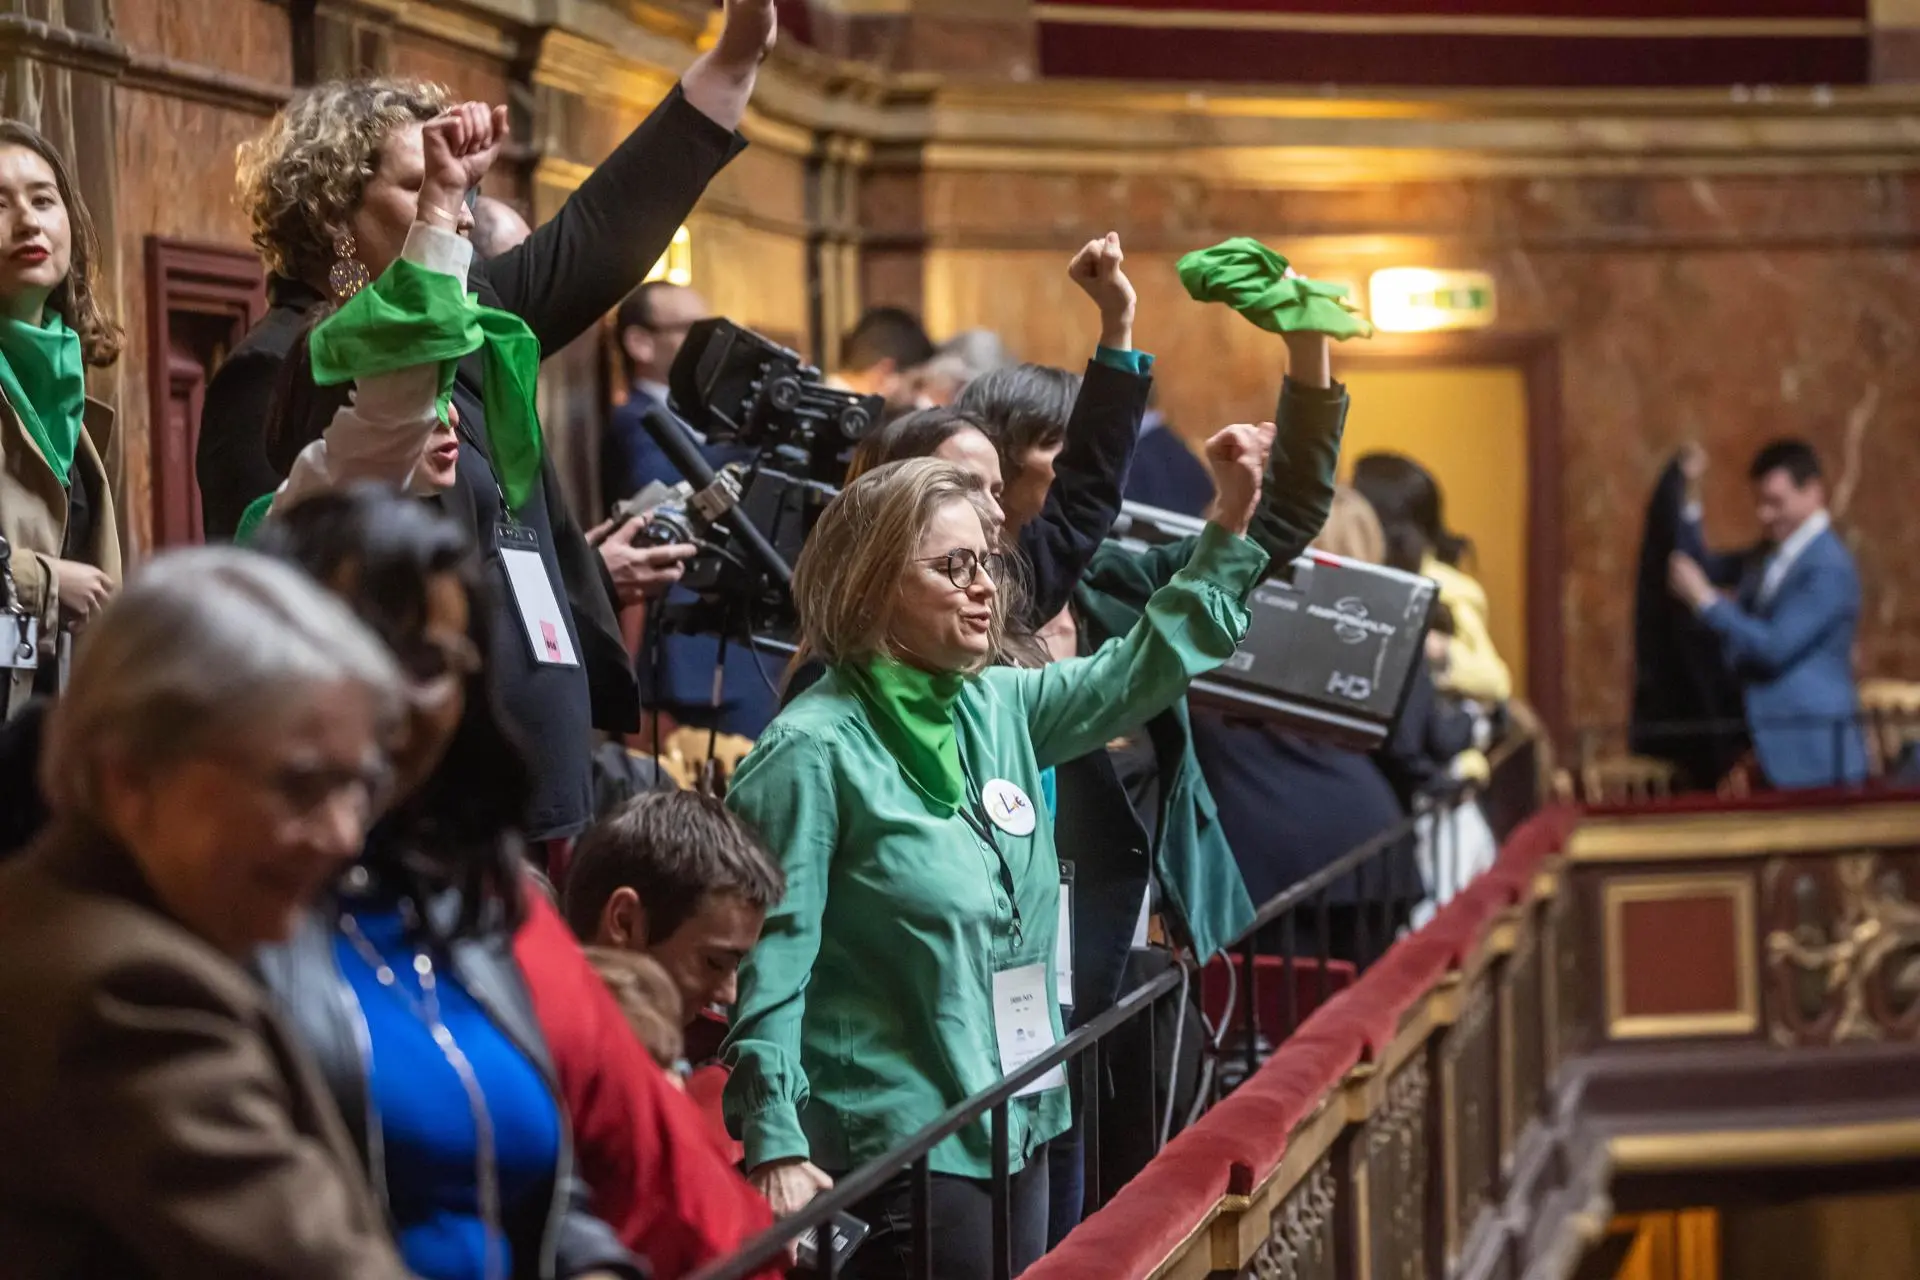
[
  {"x": 1090, "y": 475},
  {"x": 418, "y": 305},
  {"x": 580, "y": 263},
  {"x": 1190, "y": 626},
  {"x": 380, "y": 434},
  {"x": 1298, "y": 490},
  {"x": 785, "y": 790},
  {"x": 1723, "y": 568},
  {"x": 1765, "y": 647}
]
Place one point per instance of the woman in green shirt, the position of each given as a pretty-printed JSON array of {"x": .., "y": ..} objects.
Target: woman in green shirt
[{"x": 912, "y": 963}]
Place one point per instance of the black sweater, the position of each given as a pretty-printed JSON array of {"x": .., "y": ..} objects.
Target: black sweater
[{"x": 573, "y": 269}]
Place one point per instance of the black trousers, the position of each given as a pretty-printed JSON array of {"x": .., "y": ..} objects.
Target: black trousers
[{"x": 962, "y": 1226}]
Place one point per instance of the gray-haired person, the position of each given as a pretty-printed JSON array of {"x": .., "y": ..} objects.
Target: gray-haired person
[{"x": 216, "y": 759}]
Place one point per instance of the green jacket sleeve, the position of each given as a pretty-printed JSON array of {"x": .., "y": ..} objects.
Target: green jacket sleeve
[
  {"x": 1190, "y": 626},
  {"x": 1298, "y": 490},
  {"x": 785, "y": 790},
  {"x": 1294, "y": 498}
]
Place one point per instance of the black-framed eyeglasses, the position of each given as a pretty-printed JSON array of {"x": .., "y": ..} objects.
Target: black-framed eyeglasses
[{"x": 963, "y": 566}]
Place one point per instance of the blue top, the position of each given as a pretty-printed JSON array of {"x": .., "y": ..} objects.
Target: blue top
[{"x": 425, "y": 1121}]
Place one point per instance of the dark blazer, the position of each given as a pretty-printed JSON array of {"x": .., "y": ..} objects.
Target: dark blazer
[
  {"x": 158, "y": 1119},
  {"x": 574, "y": 269},
  {"x": 1166, "y": 474},
  {"x": 315, "y": 997},
  {"x": 1792, "y": 654},
  {"x": 1089, "y": 477}
]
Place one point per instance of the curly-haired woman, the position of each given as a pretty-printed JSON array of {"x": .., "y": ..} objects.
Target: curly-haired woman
[
  {"x": 56, "y": 507},
  {"x": 332, "y": 188}
]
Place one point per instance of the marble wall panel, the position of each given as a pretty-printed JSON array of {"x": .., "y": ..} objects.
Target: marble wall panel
[
  {"x": 246, "y": 37},
  {"x": 1729, "y": 310},
  {"x": 176, "y": 179}
]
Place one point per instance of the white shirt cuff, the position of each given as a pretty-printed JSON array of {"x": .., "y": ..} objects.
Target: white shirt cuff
[{"x": 437, "y": 249}]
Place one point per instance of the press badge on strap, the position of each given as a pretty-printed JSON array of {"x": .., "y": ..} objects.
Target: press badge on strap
[
  {"x": 540, "y": 612},
  {"x": 1063, "y": 943},
  {"x": 1023, "y": 1024}
]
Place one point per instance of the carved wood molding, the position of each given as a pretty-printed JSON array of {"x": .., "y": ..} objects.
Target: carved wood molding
[
  {"x": 22, "y": 37},
  {"x": 187, "y": 280}
]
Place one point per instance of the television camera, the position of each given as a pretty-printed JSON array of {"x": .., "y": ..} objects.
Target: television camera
[{"x": 791, "y": 436}]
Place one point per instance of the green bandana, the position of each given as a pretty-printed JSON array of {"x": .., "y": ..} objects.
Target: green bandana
[
  {"x": 46, "y": 383},
  {"x": 912, "y": 711},
  {"x": 413, "y": 315},
  {"x": 1252, "y": 279},
  {"x": 252, "y": 518}
]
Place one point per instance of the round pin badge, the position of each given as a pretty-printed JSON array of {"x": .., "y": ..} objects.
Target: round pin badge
[{"x": 1008, "y": 807}]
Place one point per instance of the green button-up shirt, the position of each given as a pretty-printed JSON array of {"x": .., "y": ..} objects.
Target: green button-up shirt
[{"x": 867, "y": 1009}]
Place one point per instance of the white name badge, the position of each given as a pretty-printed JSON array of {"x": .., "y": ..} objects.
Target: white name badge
[
  {"x": 1008, "y": 807},
  {"x": 1063, "y": 947},
  {"x": 540, "y": 612},
  {"x": 1023, "y": 1024}
]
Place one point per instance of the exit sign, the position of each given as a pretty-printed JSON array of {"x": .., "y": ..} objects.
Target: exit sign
[{"x": 1422, "y": 300}]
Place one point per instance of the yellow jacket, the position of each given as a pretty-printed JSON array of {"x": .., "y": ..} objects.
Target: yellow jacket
[{"x": 1474, "y": 667}]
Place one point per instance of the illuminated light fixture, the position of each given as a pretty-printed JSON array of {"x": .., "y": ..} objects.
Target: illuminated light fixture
[
  {"x": 676, "y": 264},
  {"x": 1422, "y": 300}
]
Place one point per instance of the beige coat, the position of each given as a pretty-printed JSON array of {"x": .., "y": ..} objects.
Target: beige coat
[{"x": 33, "y": 519}]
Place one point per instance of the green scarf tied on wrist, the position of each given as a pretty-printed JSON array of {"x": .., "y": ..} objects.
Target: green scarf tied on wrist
[
  {"x": 45, "y": 382},
  {"x": 912, "y": 711},
  {"x": 1252, "y": 279},
  {"x": 413, "y": 315}
]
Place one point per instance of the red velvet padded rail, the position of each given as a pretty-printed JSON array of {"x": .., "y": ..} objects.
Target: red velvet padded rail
[
  {"x": 1240, "y": 1142},
  {"x": 1823, "y": 798}
]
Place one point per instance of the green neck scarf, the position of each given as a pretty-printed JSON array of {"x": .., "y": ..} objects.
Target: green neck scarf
[
  {"x": 1252, "y": 279},
  {"x": 46, "y": 383},
  {"x": 912, "y": 711},
  {"x": 413, "y": 315}
]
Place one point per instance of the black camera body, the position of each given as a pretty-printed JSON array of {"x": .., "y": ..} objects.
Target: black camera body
[
  {"x": 1332, "y": 646},
  {"x": 736, "y": 387},
  {"x": 751, "y": 518}
]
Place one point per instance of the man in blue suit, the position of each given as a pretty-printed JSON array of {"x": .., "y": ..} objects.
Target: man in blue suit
[
  {"x": 676, "y": 671},
  {"x": 1787, "y": 631}
]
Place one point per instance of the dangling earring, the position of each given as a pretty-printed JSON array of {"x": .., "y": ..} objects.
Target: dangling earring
[{"x": 348, "y": 275}]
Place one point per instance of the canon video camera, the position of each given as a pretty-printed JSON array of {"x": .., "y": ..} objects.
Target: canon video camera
[{"x": 1331, "y": 648}]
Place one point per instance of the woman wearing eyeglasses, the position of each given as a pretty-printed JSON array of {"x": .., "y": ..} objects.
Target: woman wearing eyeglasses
[
  {"x": 404, "y": 982},
  {"x": 912, "y": 962}
]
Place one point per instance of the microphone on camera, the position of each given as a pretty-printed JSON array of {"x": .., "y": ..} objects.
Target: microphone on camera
[{"x": 713, "y": 496}]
